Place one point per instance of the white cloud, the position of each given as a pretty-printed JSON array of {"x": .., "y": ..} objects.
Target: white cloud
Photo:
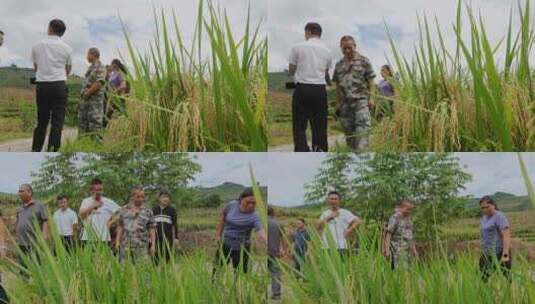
[{"x": 25, "y": 22}]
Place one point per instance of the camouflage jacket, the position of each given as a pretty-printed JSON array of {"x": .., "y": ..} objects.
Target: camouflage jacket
[
  {"x": 353, "y": 77},
  {"x": 401, "y": 230},
  {"x": 95, "y": 73},
  {"x": 136, "y": 225}
]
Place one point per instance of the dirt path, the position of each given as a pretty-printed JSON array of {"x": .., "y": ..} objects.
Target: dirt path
[
  {"x": 334, "y": 140},
  {"x": 25, "y": 144}
]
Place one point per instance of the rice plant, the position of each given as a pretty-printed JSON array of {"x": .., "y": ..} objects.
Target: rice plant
[
  {"x": 478, "y": 97},
  {"x": 181, "y": 101},
  {"x": 365, "y": 276},
  {"x": 92, "y": 274}
]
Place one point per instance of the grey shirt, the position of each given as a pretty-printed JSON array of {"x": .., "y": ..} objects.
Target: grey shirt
[
  {"x": 490, "y": 231},
  {"x": 274, "y": 237},
  {"x": 239, "y": 225},
  {"x": 26, "y": 215}
]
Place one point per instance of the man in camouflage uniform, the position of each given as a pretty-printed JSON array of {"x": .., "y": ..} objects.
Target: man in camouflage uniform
[
  {"x": 91, "y": 107},
  {"x": 398, "y": 244},
  {"x": 354, "y": 76},
  {"x": 136, "y": 233}
]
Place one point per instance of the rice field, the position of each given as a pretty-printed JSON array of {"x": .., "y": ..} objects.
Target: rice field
[
  {"x": 479, "y": 96},
  {"x": 365, "y": 276},
  {"x": 183, "y": 100},
  {"x": 93, "y": 274}
]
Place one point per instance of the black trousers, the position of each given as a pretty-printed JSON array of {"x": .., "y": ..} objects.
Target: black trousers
[
  {"x": 68, "y": 242},
  {"x": 488, "y": 264},
  {"x": 309, "y": 104},
  {"x": 225, "y": 254},
  {"x": 164, "y": 250},
  {"x": 51, "y": 99}
]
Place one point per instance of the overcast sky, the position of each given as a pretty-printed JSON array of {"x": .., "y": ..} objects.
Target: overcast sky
[
  {"x": 491, "y": 172},
  {"x": 96, "y": 23},
  {"x": 217, "y": 168},
  {"x": 364, "y": 19}
]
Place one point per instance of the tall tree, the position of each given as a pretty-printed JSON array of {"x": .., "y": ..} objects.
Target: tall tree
[
  {"x": 374, "y": 182},
  {"x": 335, "y": 174},
  {"x": 71, "y": 174}
]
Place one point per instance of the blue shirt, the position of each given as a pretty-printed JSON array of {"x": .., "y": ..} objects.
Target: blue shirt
[
  {"x": 490, "y": 231},
  {"x": 300, "y": 238},
  {"x": 239, "y": 225}
]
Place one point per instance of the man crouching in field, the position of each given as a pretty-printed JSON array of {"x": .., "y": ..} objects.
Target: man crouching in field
[
  {"x": 91, "y": 108},
  {"x": 341, "y": 223},
  {"x": 399, "y": 245}
]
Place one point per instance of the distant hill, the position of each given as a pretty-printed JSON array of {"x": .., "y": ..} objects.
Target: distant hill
[
  {"x": 507, "y": 202},
  {"x": 14, "y": 76},
  {"x": 277, "y": 81},
  {"x": 227, "y": 191}
]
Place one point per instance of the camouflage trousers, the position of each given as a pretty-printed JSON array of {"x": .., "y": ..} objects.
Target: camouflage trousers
[
  {"x": 400, "y": 258},
  {"x": 135, "y": 254},
  {"x": 356, "y": 121},
  {"x": 91, "y": 115}
]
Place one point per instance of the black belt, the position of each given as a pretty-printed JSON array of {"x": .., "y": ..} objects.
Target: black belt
[{"x": 310, "y": 84}]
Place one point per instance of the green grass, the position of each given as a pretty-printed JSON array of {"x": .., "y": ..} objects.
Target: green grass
[
  {"x": 94, "y": 275},
  {"x": 366, "y": 277}
]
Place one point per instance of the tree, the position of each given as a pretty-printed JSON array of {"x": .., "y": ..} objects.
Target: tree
[
  {"x": 71, "y": 173},
  {"x": 334, "y": 174},
  {"x": 431, "y": 180}
]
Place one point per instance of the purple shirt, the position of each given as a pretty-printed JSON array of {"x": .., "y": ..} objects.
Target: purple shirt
[
  {"x": 490, "y": 231},
  {"x": 385, "y": 88},
  {"x": 116, "y": 80},
  {"x": 239, "y": 225}
]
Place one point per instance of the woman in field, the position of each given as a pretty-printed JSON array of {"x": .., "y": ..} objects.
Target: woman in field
[
  {"x": 233, "y": 232},
  {"x": 385, "y": 88},
  {"x": 117, "y": 87},
  {"x": 496, "y": 240}
]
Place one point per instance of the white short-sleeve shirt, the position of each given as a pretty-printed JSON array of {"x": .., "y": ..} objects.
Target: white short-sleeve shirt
[
  {"x": 64, "y": 221},
  {"x": 51, "y": 55},
  {"x": 337, "y": 226},
  {"x": 312, "y": 59},
  {"x": 98, "y": 219}
]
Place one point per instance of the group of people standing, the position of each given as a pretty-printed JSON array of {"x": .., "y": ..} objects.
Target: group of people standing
[
  {"x": 309, "y": 65},
  {"x": 336, "y": 225},
  {"x": 52, "y": 60},
  {"x": 134, "y": 231}
]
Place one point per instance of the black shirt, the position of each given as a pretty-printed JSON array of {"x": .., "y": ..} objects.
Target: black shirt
[{"x": 166, "y": 226}]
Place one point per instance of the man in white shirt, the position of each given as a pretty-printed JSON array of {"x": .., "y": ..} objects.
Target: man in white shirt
[
  {"x": 310, "y": 62},
  {"x": 52, "y": 62},
  {"x": 341, "y": 224},
  {"x": 95, "y": 212},
  {"x": 66, "y": 221}
]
